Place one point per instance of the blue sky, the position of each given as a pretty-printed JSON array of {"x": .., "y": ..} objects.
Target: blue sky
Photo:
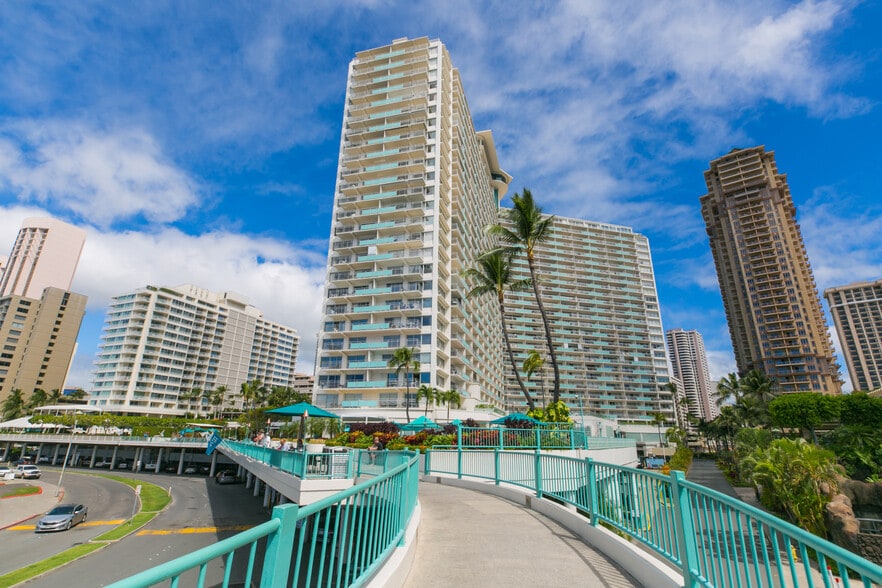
[{"x": 197, "y": 141}]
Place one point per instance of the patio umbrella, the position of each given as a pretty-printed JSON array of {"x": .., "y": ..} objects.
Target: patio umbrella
[
  {"x": 303, "y": 410},
  {"x": 420, "y": 424},
  {"x": 515, "y": 416}
]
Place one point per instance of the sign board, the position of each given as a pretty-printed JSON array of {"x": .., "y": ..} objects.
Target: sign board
[{"x": 213, "y": 442}]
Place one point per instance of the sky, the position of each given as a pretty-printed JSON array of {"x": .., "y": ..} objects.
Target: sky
[{"x": 197, "y": 142}]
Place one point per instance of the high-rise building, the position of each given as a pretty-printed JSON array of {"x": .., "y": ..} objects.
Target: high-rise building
[
  {"x": 45, "y": 254},
  {"x": 161, "y": 344},
  {"x": 690, "y": 368},
  {"x": 416, "y": 185},
  {"x": 857, "y": 315},
  {"x": 39, "y": 317},
  {"x": 598, "y": 289},
  {"x": 769, "y": 293},
  {"x": 39, "y": 338}
]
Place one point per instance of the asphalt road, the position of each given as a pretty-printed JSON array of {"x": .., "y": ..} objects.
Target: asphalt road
[
  {"x": 201, "y": 513},
  {"x": 107, "y": 501}
]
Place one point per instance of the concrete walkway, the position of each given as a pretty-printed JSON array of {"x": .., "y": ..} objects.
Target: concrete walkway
[
  {"x": 706, "y": 473},
  {"x": 469, "y": 538},
  {"x": 18, "y": 509}
]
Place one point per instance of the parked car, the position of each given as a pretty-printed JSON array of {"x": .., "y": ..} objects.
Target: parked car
[
  {"x": 62, "y": 517},
  {"x": 27, "y": 472},
  {"x": 190, "y": 469},
  {"x": 204, "y": 469},
  {"x": 150, "y": 466},
  {"x": 5, "y": 471},
  {"x": 123, "y": 465},
  {"x": 44, "y": 459},
  {"x": 102, "y": 463},
  {"x": 226, "y": 477}
]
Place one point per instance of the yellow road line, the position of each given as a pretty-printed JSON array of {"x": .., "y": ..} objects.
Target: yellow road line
[{"x": 193, "y": 530}]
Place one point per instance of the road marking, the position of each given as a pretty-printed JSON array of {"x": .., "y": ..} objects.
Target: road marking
[
  {"x": 86, "y": 524},
  {"x": 193, "y": 530}
]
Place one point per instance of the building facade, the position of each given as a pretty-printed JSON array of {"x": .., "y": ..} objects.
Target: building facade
[
  {"x": 45, "y": 254},
  {"x": 159, "y": 345},
  {"x": 39, "y": 317},
  {"x": 769, "y": 293},
  {"x": 598, "y": 288},
  {"x": 38, "y": 338},
  {"x": 416, "y": 186},
  {"x": 857, "y": 315},
  {"x": 689, "y": 367}
]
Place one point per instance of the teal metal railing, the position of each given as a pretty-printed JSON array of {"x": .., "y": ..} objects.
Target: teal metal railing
[
  {"x": 539, "y": 437},
  {"x": 717, "y": 541},
  {"x": 340, "y": 541},
  {"x": 300, "y": 463}
]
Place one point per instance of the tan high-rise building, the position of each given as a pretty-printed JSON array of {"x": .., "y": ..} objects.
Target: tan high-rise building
[
  {"x": 39, "y": 318},
  {"x": 857, "y": 314},
  {"x": 46, "y": 253},
  {"x": 769, "y": 293},
  {"x": 689, "y": 367}
]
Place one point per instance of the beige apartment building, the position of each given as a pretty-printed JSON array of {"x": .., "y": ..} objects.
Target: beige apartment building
[
  {"x": 39, "y": 317},
  {"x": 769, "y": 293},
  {"x": 857, "y": 315}
]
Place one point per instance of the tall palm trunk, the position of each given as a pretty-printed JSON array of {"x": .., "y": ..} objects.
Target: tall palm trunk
[
  {"x": 555, "y": 394},
  {"x": 407, "y": 393},
  {"x": 511, "y": 356}
]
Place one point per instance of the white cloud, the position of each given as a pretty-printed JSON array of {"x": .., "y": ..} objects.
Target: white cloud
[{"x": 101, "y": 177}]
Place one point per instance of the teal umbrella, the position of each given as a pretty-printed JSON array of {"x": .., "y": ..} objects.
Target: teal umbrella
[
  {"x": 420, "y": 424},
  {"x": 304, "y": 408},
  {"x": 516, "y": 417}
]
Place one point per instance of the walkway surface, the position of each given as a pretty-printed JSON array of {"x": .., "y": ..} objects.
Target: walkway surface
[
  {"x": 18, "y": 509},
  {"x": 468, "y": 538}
]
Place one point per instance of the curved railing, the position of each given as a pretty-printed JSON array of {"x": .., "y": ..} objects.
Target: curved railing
[
  {"x": 715, "y": 540},
  {"x": 339, "y": 541}
]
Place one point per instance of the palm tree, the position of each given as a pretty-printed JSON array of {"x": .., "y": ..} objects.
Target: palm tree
[
  {"x": 55, "y": 396},
  {"x": 494, "y": 275},
  {"x": 217, "y": 399},
  {"x": 530, "y": 229},
  {"x": 658, "y": 419},
  {"x": 675, "y": 395},
  {"x": 429, "y": 393},
  {"x": 405, "y": 360},
  {"x": 251, "y": 393},
  {"x": 450, "y": 398},
  {"x": 729, "y": 390},
  {"x": 189, "y": 397},
  {"x": 14, "y": 405},
  {"x": 534, "y": 363},
  {"x": 38, "y": 398}
]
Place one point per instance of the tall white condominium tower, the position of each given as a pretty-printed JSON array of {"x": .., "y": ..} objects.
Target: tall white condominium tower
[
  {"x": 599, "y": 291},
  {"x": 45, "y": 254},
  {"x": 161, "y": 344},
  {"x": 689, "y": 364},
  {"x": 39, "y": 317},
  {"x": 857, "y": 314},
  {"x": 416, "y": 185}
]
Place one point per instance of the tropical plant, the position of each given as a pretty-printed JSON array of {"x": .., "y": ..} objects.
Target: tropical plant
[
  {"x": 804, "y": 411},
  {"x": 671, "y": 387},
  {"x": 530, "y": 228},
  {"x": 405, "y": 360},
  {"x": 796, "y": 480},
  {"x": 218, "y": 396},
  {"x": 658, "y": 419},
  {"x": 188, "y": 397},
  {"x": 253, "y": 393},
  {"x": 38, "y": 398},
  {"x": 494, "y": 276},
  {"x": 429, "y": 393},
  {"x": 859, "y": 408},
  {"x": 450, "y": 398},
  {"x": 858, "y": 449},
  {"x": 533, "y": 364},
  {"x": 14, "y": 405}
]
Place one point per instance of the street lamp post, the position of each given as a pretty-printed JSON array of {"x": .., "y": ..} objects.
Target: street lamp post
[{"x": 67, "y": 455}]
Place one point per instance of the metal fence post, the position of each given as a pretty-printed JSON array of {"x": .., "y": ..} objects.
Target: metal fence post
[
  {"x": 279, "y": 548},
  {"x": 496, "y": 457},
  {"x": 685, "y": 529},
  {"x": 427, "y": 466},
  {"x": 538, "y": 473},
  {"x": 593, "y": 509}
]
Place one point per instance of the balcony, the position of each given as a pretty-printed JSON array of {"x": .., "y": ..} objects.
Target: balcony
[{"x": 369, "y": 384}]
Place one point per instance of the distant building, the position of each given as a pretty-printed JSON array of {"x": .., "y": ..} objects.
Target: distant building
[
  {"x": 39, "y": 317},
  {"x": 769, "y": 293},
  {"x": 857, "y": 315},
  {"x": 690, "y": 368},
  {"x": 303, "y": 383},
  {"x": 598, "y": 289},
  {"x": 45, "y": 254},
  {"x": 161, "y": 344}
]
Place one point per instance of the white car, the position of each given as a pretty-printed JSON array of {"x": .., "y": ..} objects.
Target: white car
[
  {"x": 27, "y": 472},
  {"x": 6, "y": 473}
]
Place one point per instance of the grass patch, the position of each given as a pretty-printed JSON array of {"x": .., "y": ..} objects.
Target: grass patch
[
  {"x": 19, "y": 491},
  {"x": 130, "y": 526},
  {"x": 50, "y": 563},
  {"x": 153, "y": 498}
]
